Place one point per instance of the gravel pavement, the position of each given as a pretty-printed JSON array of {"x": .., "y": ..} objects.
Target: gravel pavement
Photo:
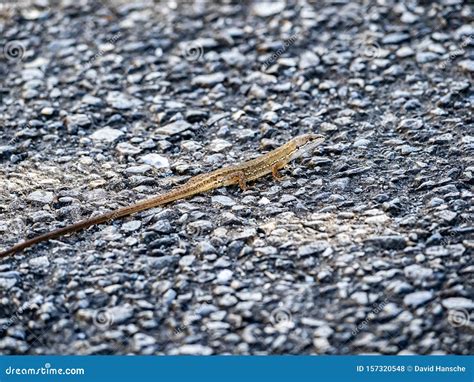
[{"x": 366, "y": 246}]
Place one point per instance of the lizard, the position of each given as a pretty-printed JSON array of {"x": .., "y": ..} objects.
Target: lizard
[{"x": 239, "y": 174}]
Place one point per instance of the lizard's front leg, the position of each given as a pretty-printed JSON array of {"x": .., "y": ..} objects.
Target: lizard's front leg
[
  {"x": 278, "y": 166},
  {"x": 237, "y": 177}
]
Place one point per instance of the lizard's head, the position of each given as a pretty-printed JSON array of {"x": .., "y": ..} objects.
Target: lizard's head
[
  {"x": 306, "y": 139},
  {"x": 305, "y": 143}
]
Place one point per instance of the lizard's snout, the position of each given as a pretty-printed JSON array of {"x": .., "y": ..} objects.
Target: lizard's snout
[{"x": 309, "y": 138}]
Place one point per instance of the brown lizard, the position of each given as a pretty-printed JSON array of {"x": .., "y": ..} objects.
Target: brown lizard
[{"x": 239, "y": 174}]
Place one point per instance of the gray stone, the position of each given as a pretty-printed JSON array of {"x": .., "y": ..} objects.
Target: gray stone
[
  {"x": 223, "y": 200},
  {"x": 410, "y": 124},
  {"x": 389, "y": 241},
  {"x": 162, "y": 261},
  {"x": 91, "y": 100},
  {"x": 313, "y": 248},
  {"x": 7, "y": 283},
  {"x": 120, "y": 314},
  {"x": 458, "y": 303},
  {"x": 142, "y": 340},
  {"x": 467, "y": 65},
  {"x": 308, "y": 59},
  {"x": 416, "y": 299},
  {"x": 78, "y": 120},
  {"x": 41, "y": 196},
  {"x": 47, "y": 111},
  {"x": 219, "y": 145},
  {"x": 193, "y": 349},
  {"x": 425, "y": 57},
  {"x": 270, "y": 116},
  {"x": 138, "y": 169},
  {"x": 208, "y": 80},
  {"x": 126, "y": 148},
  {"x": 169, "y": 296},
  {"x": 155, "y": 160},
  {"x": 106, "y": 134},
  {"x": 131, "y": 226},
  {"x": 361, "y": 142},
  {"x": 417, "y": 272},
  {"x": 122, "y": 101},
  {"x": 395, "y": 38},
  {"x": 227, "y": 301},
  {"x": 39, "y": 262},
  {"x": 187, "y": 261},
  {"x": 224, "y": 276},
  {"x": 405, "y": 51},
  {"x": 174, "y": 128},
  {"x": 268, "y": 8}
]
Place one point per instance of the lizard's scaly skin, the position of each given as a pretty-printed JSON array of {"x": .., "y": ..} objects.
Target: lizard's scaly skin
[{"x": 239, "y": 174}]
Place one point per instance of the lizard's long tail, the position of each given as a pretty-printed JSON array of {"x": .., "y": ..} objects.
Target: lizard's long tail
[
  {"x": 61, "y": 231},
  {"x": 121, "y": 212}
]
